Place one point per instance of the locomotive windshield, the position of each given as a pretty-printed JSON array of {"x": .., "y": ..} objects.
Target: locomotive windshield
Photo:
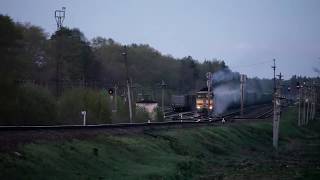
[{"x": 203, "y": 95}]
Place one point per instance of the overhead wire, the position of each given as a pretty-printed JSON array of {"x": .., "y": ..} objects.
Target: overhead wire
[{"x": 251, "y": 65}]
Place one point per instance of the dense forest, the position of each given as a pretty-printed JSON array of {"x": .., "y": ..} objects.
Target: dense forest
[
  {"x": 68, "y": 56},
  {"x": 49, "y": 79}
]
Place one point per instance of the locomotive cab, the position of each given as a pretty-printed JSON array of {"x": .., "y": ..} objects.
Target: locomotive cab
[{"x": 204, "y": 101}]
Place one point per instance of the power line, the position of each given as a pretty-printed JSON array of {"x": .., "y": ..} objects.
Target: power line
[{"x": 251, "y": 65}]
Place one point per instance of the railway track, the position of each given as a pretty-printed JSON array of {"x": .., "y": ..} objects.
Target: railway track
[
  {"x": 13, "y": 136},
  {"x": 186, "y": 118},
  {"x": 191, "y": 115}
]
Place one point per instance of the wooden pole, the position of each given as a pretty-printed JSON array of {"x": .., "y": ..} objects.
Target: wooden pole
[
  {"x": 305, "y": 107},
  {"x": 299, "y": 113},
  {"x": 308, "y": 104},
  {"x": 242, "y": 82}
]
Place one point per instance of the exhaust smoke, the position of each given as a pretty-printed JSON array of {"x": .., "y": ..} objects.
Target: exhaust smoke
[{"x": 226, "y": 89}]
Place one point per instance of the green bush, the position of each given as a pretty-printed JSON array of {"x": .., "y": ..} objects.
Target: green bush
[
  {"x": 35, "y": 106},
  {"x": 8, "y": 106},
  {"x": 122, "y": 114},
  {"x": 159, "y": 115},
  {"x": 95, "y": 103},
  {"x": 141, "y": 115}
]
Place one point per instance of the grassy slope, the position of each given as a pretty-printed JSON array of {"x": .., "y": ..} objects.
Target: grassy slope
[{"x": 235, "y": 152}]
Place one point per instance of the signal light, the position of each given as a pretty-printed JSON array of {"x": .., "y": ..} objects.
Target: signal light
[
  {"x": 110, "y": 91},
  {"x": 298, "y": 85}
]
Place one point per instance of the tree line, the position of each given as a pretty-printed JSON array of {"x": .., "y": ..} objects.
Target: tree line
[
  {"x": 67, "y": 56},
  {"x": 50, "y": 78}
]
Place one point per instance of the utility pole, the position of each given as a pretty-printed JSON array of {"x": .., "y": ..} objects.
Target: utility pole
[
  {"x": 243, "y": 79},
  {"x": 277, "y": 113},
  {"x": 133, "y": 97},
  {"x": 304, "y": 103},
  {"x": 316, "y": 98},
  {"x": 316, "y": 102},
  {"x": 163, "y": 85},
  {"x": 274, "y": 75},
  {"x": 299, "y": 87},
  {"x": 313, "y": 100},
  {"x": 308, "y": 103},
  {"x": 209, "y": 84},
  {"x": 124, "y": 53}
]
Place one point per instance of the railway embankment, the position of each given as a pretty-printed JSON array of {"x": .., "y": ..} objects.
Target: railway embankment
[{"x": 239, "y": 151}]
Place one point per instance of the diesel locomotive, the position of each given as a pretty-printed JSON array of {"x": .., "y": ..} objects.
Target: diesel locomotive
[
  {"x": 204, "y": 102},
  {"x": 201, "y": 101}
]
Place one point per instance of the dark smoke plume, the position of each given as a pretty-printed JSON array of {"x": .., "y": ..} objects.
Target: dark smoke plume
[{"x": 226, "y": 89}]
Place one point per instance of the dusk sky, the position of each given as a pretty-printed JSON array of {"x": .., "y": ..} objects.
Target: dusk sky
[{"x": 246, "y": 34}]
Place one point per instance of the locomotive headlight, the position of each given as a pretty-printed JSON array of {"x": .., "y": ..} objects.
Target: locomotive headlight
[
  {"x": 198, "y": 107},
  {"x": 210, "y": 107}
]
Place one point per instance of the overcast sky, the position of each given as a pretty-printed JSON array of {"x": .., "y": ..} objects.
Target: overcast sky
[{"x": 246, "y": 34}]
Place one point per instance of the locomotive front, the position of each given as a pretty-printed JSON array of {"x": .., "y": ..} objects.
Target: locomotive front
[{"x": 204, "y": 101}]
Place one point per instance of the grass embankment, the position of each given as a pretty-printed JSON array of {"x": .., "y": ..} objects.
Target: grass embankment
[{"x": 241, "y": 151}]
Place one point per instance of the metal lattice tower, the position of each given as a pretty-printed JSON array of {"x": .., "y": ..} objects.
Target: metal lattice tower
[{"x": 59, "y": 15}]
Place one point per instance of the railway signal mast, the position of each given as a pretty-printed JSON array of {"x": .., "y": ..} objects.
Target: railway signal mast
[{"x": 113, "y": 97}]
